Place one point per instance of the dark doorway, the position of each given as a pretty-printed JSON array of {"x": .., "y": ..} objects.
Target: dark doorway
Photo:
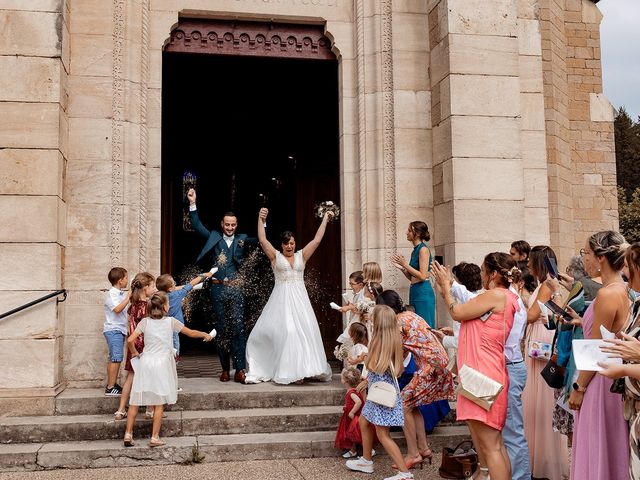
[{"x": 253, "y": 131}]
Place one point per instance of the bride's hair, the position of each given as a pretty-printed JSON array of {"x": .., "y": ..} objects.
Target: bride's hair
[
  {"x": 285, "y": 237},
  {"x": 385, "y": 346}
]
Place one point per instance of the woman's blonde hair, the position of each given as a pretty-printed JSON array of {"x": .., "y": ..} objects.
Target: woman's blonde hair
[
  {"x": 385, "y": 346},
  {"x": 372, "y": 272}
]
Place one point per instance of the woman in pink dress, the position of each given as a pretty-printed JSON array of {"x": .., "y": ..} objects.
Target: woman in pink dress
[
  {"x": 600, "y": 432},
  {"x": 548, "y": 452},
  {"x": 486, "y": 322}
]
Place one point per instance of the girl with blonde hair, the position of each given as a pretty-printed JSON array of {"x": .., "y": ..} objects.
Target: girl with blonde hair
[
  {"x": 371, "y": 272},
  {"x": 384, "y": 364}
]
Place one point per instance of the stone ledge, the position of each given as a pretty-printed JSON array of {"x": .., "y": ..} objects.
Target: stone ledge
[{"x": 215, "y": 448}]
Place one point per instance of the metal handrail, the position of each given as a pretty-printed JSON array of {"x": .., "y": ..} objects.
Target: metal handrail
[{"x": 62, "y": 292}]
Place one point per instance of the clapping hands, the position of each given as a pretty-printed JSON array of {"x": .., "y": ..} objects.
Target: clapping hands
[
  {"x": 442, "y": 275},
  {"x": 627, "y": 348},
  {"x": 399, "y": 261}
]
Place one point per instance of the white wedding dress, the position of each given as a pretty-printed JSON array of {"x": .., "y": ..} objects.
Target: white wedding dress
[{"x": 285, "y": 345}]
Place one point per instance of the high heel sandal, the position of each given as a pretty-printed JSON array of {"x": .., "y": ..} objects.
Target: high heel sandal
[
  {"x": 128, "y": 440},
  {"x": 427, "y": 455},
  {"x": 156, "y": 442},
  {"x": 411, "y": 463}
]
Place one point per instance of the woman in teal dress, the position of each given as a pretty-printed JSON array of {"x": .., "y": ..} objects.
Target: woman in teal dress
[
  {"x": 423, "y": 300},
  {"x": 418, "y": 270}
]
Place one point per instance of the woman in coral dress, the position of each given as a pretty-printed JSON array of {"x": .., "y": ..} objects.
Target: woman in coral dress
[{"x": 486, "y": 323}]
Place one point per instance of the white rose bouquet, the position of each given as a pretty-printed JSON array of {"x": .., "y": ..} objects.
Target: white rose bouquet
[
  {"x": 365, "y": 306},
  {"x": 325, "y": 207},
  {"x": 341, "y": 352}
]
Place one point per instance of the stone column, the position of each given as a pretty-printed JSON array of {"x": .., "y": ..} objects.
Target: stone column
[
  {"x": 591, "y": 126},
  {"x": 34, "y": 61},
  {"x": 478, "y": 169}
]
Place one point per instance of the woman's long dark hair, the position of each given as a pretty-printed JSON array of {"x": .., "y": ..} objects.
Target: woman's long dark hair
[{"x": 391, "y": 299}]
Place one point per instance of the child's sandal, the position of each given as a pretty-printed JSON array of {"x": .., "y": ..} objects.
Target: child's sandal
[
  {"x": 128, "y": 440},
  {"x": 120, "y": 415},
  {"x": 156, "y": 442}
]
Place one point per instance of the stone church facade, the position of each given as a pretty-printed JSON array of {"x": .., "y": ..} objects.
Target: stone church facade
[{"x": 485, "y": 119}]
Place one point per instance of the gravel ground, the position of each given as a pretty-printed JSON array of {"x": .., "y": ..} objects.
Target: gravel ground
[{"x": 295, "y": 469}]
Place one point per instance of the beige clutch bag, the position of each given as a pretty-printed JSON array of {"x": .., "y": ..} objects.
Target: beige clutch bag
[{"x": 477, "y": 387}]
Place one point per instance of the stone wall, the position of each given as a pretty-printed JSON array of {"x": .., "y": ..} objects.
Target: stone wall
[
  {"x": 34, "y": 64},
  {"x": 595, "y": 202},
  {"x": 579, "y": 126},
  {"x": 484, "y": 119}
]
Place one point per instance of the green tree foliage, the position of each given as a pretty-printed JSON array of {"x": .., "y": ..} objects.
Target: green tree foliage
[
  {"x": 627, "y": 135},
  {"x": 629, "y": 211}
]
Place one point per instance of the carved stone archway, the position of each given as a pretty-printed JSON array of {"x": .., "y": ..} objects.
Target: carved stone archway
[{"x": 264, "y": 39}]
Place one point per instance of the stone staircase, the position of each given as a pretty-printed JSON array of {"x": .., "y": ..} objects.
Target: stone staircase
[{"x": 211, "y": 422}]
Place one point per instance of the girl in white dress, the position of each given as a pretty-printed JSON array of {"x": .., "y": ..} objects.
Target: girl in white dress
[
  {"x": 285, "y": 345},
  {"x": 156, "y": 380}
]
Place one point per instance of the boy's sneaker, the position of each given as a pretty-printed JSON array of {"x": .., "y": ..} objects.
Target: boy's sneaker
[
  {"x": 114, "y": 391},
  {"x": 360, "y": 464},
  {"x": 349, "y": 454}
]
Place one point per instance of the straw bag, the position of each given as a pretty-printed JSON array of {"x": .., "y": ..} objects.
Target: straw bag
[
  {"x": 384, "y": 393},
  {"x": 476, "y": 386}
]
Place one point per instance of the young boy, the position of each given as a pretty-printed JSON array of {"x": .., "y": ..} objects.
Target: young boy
[
  {"x": 115, "y": 326},
  {"x": 356, "y": 282},
  {"x": 166, "y": 283}
]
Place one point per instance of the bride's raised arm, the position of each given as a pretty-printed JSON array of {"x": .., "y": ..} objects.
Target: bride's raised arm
[
  {"x": 308, "y": 250},
  {"x": 267, "y": 248}
]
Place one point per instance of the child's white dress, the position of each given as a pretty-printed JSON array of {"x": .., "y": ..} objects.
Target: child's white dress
[{"x": 156, "y": 379}]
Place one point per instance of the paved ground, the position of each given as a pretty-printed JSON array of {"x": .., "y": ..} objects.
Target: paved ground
[{"x": 296, "y": 469}]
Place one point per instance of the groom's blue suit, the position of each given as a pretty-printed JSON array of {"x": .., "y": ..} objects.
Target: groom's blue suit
[{"x": 228, "y": 299}]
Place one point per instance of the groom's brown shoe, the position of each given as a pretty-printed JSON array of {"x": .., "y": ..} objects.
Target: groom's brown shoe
[
  {"x": 240, "y": 376},
  {"x": 224, "y": 376}
]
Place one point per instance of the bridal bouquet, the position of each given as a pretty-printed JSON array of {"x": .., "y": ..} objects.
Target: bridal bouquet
[
  {"x": 341, "y": 352},
  {"x": 365, "y": 306},
  {"x": 325, "y": 207}
]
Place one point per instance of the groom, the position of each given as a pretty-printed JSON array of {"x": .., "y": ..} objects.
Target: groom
[{"x": 226, "y": 251}]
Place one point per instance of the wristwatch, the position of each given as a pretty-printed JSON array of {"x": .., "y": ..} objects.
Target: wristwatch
[{"x": 578, "y": 388}]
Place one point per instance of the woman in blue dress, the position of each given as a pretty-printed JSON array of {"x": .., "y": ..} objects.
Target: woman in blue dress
[
  {"x": 418, "y": 270},
  {"x": 422, "y": 299}
]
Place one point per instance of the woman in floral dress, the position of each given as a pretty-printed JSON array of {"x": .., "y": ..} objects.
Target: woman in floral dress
[{"x": 430, "y": 383}]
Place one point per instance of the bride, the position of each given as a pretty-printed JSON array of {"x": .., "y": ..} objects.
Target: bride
[{"x": 285, "y": 345}]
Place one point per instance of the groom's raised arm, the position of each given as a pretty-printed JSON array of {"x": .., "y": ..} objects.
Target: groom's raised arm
[{"x": 193, "y": 214}]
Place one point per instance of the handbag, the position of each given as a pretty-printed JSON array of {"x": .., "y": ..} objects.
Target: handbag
[
  {"x": 458, "y": 462},
  {"x": 540, "y": 350},
  {"x": 553, "y": 373},
  {"x": 384, "y": 393},
  {"x": 476, "y": 386}
]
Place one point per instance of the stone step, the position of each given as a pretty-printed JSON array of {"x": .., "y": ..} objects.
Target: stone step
[
  {"x": 60, "y": 428},
  {"x": 190, "y": 449},
  {"x": 211, "y": 394}
]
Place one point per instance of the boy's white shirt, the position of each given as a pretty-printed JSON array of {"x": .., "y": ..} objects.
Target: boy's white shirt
[{"x": 115, "y": 321}]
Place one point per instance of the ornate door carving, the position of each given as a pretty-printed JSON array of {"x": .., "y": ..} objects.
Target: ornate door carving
[{"x": 264, "y": 39}]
